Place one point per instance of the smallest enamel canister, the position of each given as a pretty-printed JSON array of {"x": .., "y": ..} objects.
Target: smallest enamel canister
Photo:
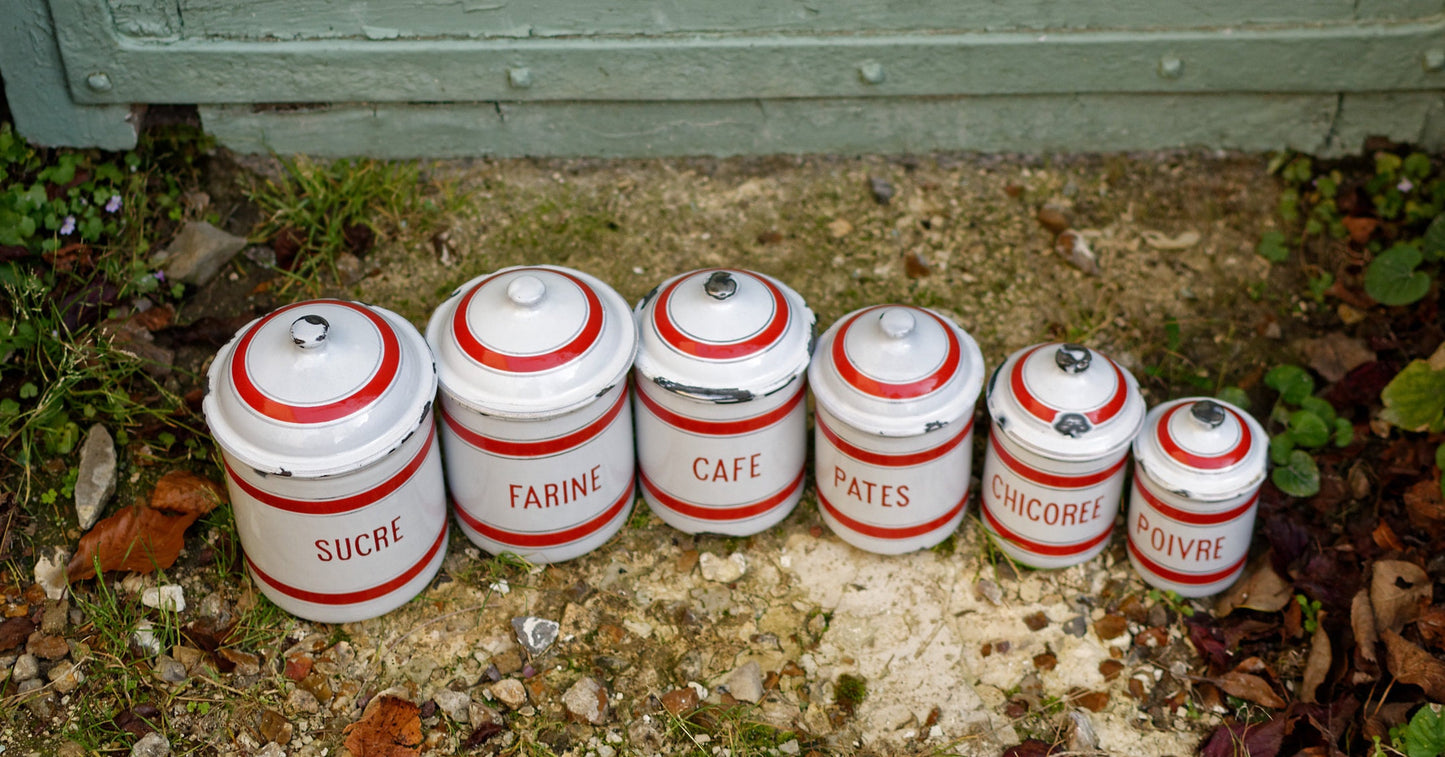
[
  {"x": 895, "y": 388},
  {"x": 1198, "y": 467},
  {"x": 1053, "y": 474}
]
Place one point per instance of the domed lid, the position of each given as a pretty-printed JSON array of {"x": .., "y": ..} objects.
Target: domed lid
[
  {"x": 723, "y": 335},
  {"x": 1065, "y": 401},
  {"x": 896, "y": 370},
  {"x": 319, "y": 388},
  {"x": 531, "y": 341},
  {"x": 1204, "y": 447}
]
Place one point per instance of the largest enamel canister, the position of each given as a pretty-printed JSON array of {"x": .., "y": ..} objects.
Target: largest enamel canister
[
  {"x": 1063, "y": 419},
  {"x": 721, "y": 421},
  {"x": 323, "y": 413},
  {"x": 536, "y": 424},
  {"x": 1198, "y": 467},
  {"x": 895, "y": 388}
]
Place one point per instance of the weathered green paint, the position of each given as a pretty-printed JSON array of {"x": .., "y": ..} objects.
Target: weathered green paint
[
  {"x": 36, "y": 88},
  {"x": 1321, "y": 124},
  {"x": 1351, "y": 58}
]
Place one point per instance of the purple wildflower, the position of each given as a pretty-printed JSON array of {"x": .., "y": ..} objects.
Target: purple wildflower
[
  {"x": 67, "y": 227},
  {"x": 160, "y": 276},
  {"x": 113, "y": 204},
  {"x": 1405, "y": 185}
]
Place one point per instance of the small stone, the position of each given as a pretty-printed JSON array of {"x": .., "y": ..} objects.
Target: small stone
[
  {"x": 301, "y": 700},
  {"x": 419, "y": 669},
  {"x": 96, "y": 480},
  {"x": 47, "y": 647},
  {"x": 152, "y": 744},
  {"x": 839, "y": 228},
  {"x": 1077, "y": 626},
  {"x": 66, "y": 677},
  {"x": 456, "y": 704},
  {"x": 246, "y": 664},
  {"x": 190, "y": 657},
  {"x": 50, "y": 573},
  {"x": 587, "y": 700},
  {"x": 169, "y": 597},
  {"x": 881, "y": 189},
  {"x": 349, "y": 269},
  {"x": 1054, "y": 218},
  {"x": 1110, "y": 669},
  {"x": 318, "y": 685},
  {"x": 271, "y": 750},
  {"x": 275, "y": 728},
  {"x": 790, "y": 747},
  {"x": 745, "y": 683},
  {"x": 1111, "y": 627},
  {"x": 535, "y": 634},
  {"x": 145, "y": 638},
  {"x": 988, "y": 591},
  {"x": 198, "y": 253},
  {"x": 42, "y": 705},
  {"x": 680, "y": 701},
  {"x": 57, "y": 614},
  {"x": 1095, "y": 701},
  {"x": 1036, "y": 621},
  {"x": 1046, "y": 661},
  {"x": 722, "y": 570},
  {"x": 510, "y": 692},
  {"x": 70, "y": 749},
  {"x": 1081, "y": 735},
  {"x": 27, "y": 667},
  {"x": 170, "y": 670}
]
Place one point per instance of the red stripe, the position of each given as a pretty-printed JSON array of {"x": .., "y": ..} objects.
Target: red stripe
[
  {"x": 1198, "y": 579},
  {"x": 688, "y": 345},
  {"x": 541, "y": 448},
  {"x": 909, "y": 390},
  {"x": 352, "y": 597},
  {"x": 719, "y": 428},
  {"x": 1204, "y": 462},
  {"x": 1193, "y": 519},
  {"x": 1040, "y": 548},
  {"x": 881, "y": 532},
  {"x": 741, "y": 512},
  {"x": 510, "y": 363},
  {"x": 549, "y": 539},
  {"x": 343, "y": 504},
  {"x": 1048, "y": 413},
  {"x": 889, "y": 460},
  {"x": 277, "y": 410},
  {"x": 1051, "y": 480}
]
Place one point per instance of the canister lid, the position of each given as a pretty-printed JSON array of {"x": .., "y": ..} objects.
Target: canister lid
[
  {"x": 723, "y": 335},
  {"x": 896, "y": 370},
  {"x": 1065, "y": 401},
  {"x": 1203, "y": 448},
  {"x": 531, "y": 341},
  {"x": 319, "y": 388}
]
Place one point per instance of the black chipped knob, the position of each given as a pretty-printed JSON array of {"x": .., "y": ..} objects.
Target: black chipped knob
[
  {"x": 720, "y": 285},
  {"x": 1073, "y": 358},
  {"x": 1207, "y": 412}
]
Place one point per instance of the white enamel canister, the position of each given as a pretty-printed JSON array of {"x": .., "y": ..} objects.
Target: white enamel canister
[
  {"x": 721, "y": 421},
  {"x": 895, "y": 388},
  {"x": 535, "y": 420},
  {"x": 1198, "y": 467},
  {"x": 323, "y": 413},
  {"x": 1063, "y": 419}
]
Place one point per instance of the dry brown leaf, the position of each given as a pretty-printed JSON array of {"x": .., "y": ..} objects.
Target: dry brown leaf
[
  {"x": 1431, "y": 625},
  {"x": 1054, "y": 218},
  {"x": 1411, "y": 664},
  {"x": 1335, "y": 354},
  {"x": 148, "y": 536},
  {"x": 1425, "y": 506},
  {"x": 1317, "y": 665},
  {"x": 1075, "y": 249},
  {"x": 1362, "y": 622},
  {"x": 390, "y": 727},
  {"x": 1360, "y": 228},
  {"x": 1260, "y": 589},
  {"x": 1250, "y": 687},
  {"x": 1398, "y": 591}
]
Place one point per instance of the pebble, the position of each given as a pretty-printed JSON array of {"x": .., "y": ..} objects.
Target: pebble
[
  {"x": 275, "y": 728},
  {"x": 419, "y": 669},
  {"x": 151, "y": 745},
  {"x": 145, "y": 638},
  {"x": 881, "y": 189},
  {"x": 510, "y": 692},
  {"x": 169, "y": 597},
  {"x": 1082, "y": 738},
  {"x": 96, "y": 480},
  {"x": 456, "y": 705},
  {"x": 46, "y": 647},
  {"x": 190, "y": 657},
  {"x": 198, "y": 253},
  {"x": 246, "y": 663},
  {"x": 271, "y": 750},
  {"x": 27, "y": 668},
  {"x": 301, "y": 700},
  {"x": 535, "y": 634},
  {"x": 722, "y": 570},
  {"x": 170, "y": 670},
  {"x": 680, "y": 701},
  {"x": 745, "y": 683},
  {"x": 66, "y": 677},
  {"x": 1077, "y": 626},
  {"x": 989, "y": 591},
  {"x": 57, "y": 614},
  {"x": 587, "y": 700},
  {"x": 50, "y": 573},
  {"x": 789, "y": 747}
]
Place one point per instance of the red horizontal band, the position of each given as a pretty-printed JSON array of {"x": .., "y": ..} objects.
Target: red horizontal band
[
  {"x": 1040, "y": 548},
  {"x": 504, "y": 361},
  {"x": 884, "y": 532},
  {"x": 895, "y": 391},
  {"x": 352, "y": 597},
  {"x": 550, "y": 538},
  {"x": 343, "y": 504},
  {"x": 1193, "y": 519},
  {"x": 1224, "y": 459},
  {"x": 719, "y": 428},
  {"x": 724, "y": 513},
  {"x": 276, "y": 410},
  {"x": 1197, "y": 579},
  {"x": 1052, "y": 480},
  {"x": 542, "y": 447},
  {"x": 886, "y": 460},
  {"x": 1047, "y": 413},
  {"x": 688, "y": 345}
]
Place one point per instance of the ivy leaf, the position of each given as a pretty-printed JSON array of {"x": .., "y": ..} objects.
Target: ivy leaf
[
  {"x": 1344, "y": 433},
  {"x": 1234, "y": 396},
  {"x": 1415, "y": 399},
  {"x": 1319, "y": 407},
  {"x": 1391, "y": 277},
  {"x": 1279, "y": 449},
  {"x": 1432, "y": 244},
  {"x": 1300, "y": 478},
  {"x": 1272, "y": 247},
  {"x": 1292, "y": 382},
  {"x": 1308, "y": 429},
  {"x": 1424, "y": 736}
]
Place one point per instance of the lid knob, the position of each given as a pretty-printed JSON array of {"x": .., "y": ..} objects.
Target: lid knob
[
  {"x": 896, "y": 322},
  {"x": 1073, "y": 358},
  {"x": 309, "y": 331},
  {"x": 526, "y": 291},
  {"x": 1208, "y": 413},
  {"x": 720, "y": 285}
]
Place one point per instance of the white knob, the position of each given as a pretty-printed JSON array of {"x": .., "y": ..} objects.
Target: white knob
[
  {"x": 309, "y": 331},
  {"x": 897, "y": 322},
  {"x": 526, "y": 290}
]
